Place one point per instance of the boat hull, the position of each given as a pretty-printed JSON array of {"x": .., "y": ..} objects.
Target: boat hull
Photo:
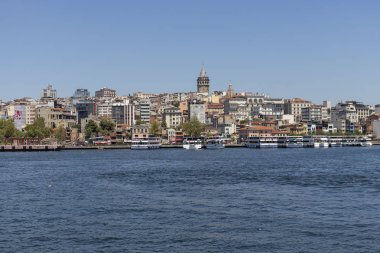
[
  {"x": 192, "y": 146},
  {"x": 215, "y": 146}
]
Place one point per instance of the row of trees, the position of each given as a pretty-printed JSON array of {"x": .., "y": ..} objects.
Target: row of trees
[
  {"x": 35, "y": 130},
  {"x": 105, "y": 127},
  {"x": 191, "y": 128},
  {"x": 38, "y": 129}
]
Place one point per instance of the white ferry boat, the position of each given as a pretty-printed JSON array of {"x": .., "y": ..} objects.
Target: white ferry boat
[
  {"x": 282, "y": 142},
  {"x": 215, "y": 143},
  {"x": 146, "y": 143},
  {"x": 335, "y": 142},
  {"x": 262, "y": 142},
  {"x": 192, "y": 143},
  {"x": 351, "y": 142},
  {"x": 321, "y": 142},
  {"x": 308, "y": 142},
  {"x": 295, "y": 142}
]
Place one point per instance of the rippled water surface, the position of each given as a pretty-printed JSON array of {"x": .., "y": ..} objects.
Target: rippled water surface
[{"x": 233, "y": 200}]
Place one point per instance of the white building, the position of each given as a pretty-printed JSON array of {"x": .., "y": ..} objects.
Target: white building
[
  {"x": 104, "y": 109},
  {"x": 198, "y": 110},
  {"x": 144, "y": 108}
]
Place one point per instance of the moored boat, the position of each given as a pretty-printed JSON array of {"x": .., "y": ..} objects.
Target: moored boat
[
  {"x": 295, "y": 142},
  {"x": 146, "y": 143},
  {"x": 215, "y": 143},
  {"x": 335, "y": 142},
  {"x": 262, "y": 142},
  {"x": 366, "y": 142},
  {"x": 192, "y": 143}
]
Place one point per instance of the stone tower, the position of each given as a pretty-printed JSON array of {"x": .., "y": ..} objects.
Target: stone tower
[{"x": 203, "y": 82}]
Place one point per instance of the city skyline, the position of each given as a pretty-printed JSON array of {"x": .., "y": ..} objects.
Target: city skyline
[{"x": 327, "y": 50}]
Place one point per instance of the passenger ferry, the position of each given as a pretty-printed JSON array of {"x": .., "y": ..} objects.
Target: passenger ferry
[
  {"x": 146, "y": 143},
  {"x": 215, "y": 143},
  {"x": 321, "y": 142},
  {"x": 295, "y": 142},
  {"x": 351, "y": 142},
  {"x": 335, "y": 142},
  {"x": 308, "y": 142},
  {"x": 262, "y": 142},
  {"x": 192, "y": 143}
]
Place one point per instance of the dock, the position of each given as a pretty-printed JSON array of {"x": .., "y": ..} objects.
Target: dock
[{"x": 29, "y": 148}]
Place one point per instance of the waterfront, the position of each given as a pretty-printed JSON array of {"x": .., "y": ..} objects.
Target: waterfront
[{"x": 173, "y": 200}]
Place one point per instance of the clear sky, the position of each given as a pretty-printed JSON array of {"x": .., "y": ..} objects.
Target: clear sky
[{"x": 312, "y": 49}]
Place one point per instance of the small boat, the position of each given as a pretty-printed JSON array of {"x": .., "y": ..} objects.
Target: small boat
[
  {"x": 215, "y": 143},
  {"x": 146, "y": 143},
  {"x": 366, "y": 142},
  {"x": 192, "y": 143}
]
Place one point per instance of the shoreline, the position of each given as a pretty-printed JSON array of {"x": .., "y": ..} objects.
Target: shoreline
[{"x": 50, "y": 148}]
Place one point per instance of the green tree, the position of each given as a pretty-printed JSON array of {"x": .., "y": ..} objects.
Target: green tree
[
  {"x": 107, "y": 126},
  {"x": 193, "y": 127},
  {"x": 91, "y": 129},
  {"x": 155, "y": 128},
  {"x": 138, "y": 122},
  {"x": 8, "y": 130},
  {"x": 60, "y": 134},
  {"x": 38, "y": 129}
]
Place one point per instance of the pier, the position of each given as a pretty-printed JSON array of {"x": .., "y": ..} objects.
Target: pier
[{"x": 29, "y": 148}]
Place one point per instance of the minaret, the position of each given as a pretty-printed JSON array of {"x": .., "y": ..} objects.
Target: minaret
[{"x": 203, "y": 82}]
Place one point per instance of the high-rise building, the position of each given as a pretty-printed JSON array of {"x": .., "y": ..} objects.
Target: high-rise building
[
  {"x": 144, "y": 110},
  {"x": 49, "y": 93},
  {"x": 104, "y": 110},
  {"x": 123, "y": 113},
  {"x": 85, "y": 109},
  {"x": 203, "y": 82}
]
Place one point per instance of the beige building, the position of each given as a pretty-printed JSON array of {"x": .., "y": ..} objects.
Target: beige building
[
  {"x": 56, "y": 117},
  {"x": 294, "y": 106},
  {"x": 172, "y": 117},
  {"x": 140, "y": 131}
]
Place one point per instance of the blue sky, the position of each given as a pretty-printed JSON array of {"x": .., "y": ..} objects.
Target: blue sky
[{"x": 312, "y": 49}]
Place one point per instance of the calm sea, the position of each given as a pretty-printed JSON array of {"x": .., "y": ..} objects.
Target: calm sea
[{"x": 233, "y": 200}]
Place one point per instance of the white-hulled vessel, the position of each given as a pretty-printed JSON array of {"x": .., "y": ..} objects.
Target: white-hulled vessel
[
  {"x": 335, "y": 142},
  {"x": 351, "y": 142},
  {"x": 146, "y": 143},
  {"x": 192, "y": 143},
  {"x": 321, "y": 142},
  {"x": 295, "y": 142},
  {"x": 366, "y": 142},
  {"x": 215, "y": 143},
  {"x": 308, "y": 142},
  {"x": 261, "y": 142}
]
